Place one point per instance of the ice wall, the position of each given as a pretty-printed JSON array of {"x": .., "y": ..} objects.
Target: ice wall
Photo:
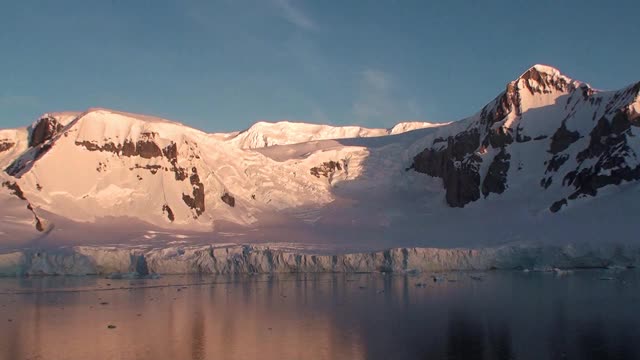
[{"x": 85, "y": 260}]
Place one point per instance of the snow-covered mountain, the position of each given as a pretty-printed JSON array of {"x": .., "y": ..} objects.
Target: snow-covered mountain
[
  {"x": 264, "y": 134},
  {"x": 549, "y": 161}
]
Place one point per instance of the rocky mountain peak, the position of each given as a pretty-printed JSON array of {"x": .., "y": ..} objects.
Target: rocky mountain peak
[
  {"x": 43, "y": 129},
  {"x": 544, "y": 79}
]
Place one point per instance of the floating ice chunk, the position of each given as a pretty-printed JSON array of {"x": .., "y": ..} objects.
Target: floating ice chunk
[{"x": 561, "y": 272}]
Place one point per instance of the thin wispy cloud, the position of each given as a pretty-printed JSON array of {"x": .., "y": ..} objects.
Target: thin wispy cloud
[
  {"x": 378, "y": 101},
  {"x": 294, "y": 15}
]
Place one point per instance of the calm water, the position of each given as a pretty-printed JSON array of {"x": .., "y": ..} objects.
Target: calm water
[{"x": 505, "y": 315}]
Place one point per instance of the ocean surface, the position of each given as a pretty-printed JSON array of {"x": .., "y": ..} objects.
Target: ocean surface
[{"x": 584, "y": 314}]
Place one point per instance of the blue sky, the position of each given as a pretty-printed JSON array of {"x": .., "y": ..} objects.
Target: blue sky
[{"x": 222, "y": 65}]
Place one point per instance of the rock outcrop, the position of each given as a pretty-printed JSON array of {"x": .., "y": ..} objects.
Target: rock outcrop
[
  {"x": 608, "y": 159},
  {"x": 456, "y": 164},
  {"x": 44, "y": 130}
]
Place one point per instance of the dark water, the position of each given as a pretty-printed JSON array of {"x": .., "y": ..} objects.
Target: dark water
[{"x": 505, "y": 315}]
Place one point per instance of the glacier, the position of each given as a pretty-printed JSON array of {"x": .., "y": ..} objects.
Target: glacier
[{"x": 247, "y": 259}]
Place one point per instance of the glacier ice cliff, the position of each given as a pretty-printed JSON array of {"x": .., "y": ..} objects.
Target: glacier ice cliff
[{"x": 245, "y": 259}]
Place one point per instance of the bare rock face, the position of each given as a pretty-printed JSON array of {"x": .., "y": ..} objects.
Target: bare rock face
[
  {"x": 15, "y": 189},
  {"x": 325, "y": 169},
  {"x": 228, "y": 199},
  {"x": 328, "y": 169},
  {"x": 45, "y": 129},
  {"x": 607, "y": 160},
  {"x": 456, "y": 164},
  {"x": 17, "y": 192},
  {"x": 609, "y": 147},
  {"x": 538, "y": 81},
  {"x": 496, "y": 179},
  {"x": 553, "y": 165},
  {"x": 171, "y": 153},
  {"x": 166, "y": 209},
  {"x": 498, "y": 138},
  {"x": 153, "y": 169},
  {"x": 195, "y": 201},
  {"x": 556, "y": 206},
  {"x": 145, "y": 147},
  {"x": 521, "y": 138},
  {"x": 556, "y": 162},
  {"x": 19, "y": 165},
  {"x": 6, "y": 145},
  {"x": 562, "y": 139}
]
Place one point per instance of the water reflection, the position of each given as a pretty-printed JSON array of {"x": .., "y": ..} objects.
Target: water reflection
[
  {"x": 465, "y": 337},
  {"x": 508, "y": 315}
]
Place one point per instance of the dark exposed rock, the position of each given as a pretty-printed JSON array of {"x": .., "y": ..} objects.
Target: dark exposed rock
[
  {"x": 496, "y": 179},
  {"x": 166, "y": 209},
  {"x": 41, "y": 151},
  {"x": 326, "y": 169},
  {"x": 107, "y": 147},
  {"x": 191, "y": 203},
  {"x": 608, "y": 145},
  {"x": 521, "y": 138},
  {"x": 15, "y": 188},
  {"x": 586, "y": 91},
  {"x": 5, "y": 145},
  {"x": 545, "y": 82},
  {"x": 44, "y": 129},
  {"x": 556, "y": 162},
  {"x": 17, "y": 192},
  {"x": 499, "y": 137},
  {"x": 196, "y": 201},
  {"x": 556, "y": 206},
  {"x": 153, "y": 169},
  {"x": 171, "y": 153},
  {"x": 546, "y": 182},
  {"x": 562, "y": 139},
  {"x": 457, "y": 165},
  {"x": 507, "y": 102},
  {"x": 38, "y": 225},
  {"x": 540, "y": 137},
  {"x": 607, "y": 137},
  {"x": 503, "y": 105},
  {"x": 228, "y": 199},
  {"x": 145, "y": 148},
  {"x": 180, "y": 173},
  {"x": 20, "y": 164}
]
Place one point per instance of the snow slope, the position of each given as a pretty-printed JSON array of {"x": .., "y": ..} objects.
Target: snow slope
[
  {"x": 549, "y": 167},
  {"x": 264, "y": 134}
]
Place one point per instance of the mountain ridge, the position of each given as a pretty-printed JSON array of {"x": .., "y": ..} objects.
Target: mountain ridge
[{"x": 542, "y": 152}]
